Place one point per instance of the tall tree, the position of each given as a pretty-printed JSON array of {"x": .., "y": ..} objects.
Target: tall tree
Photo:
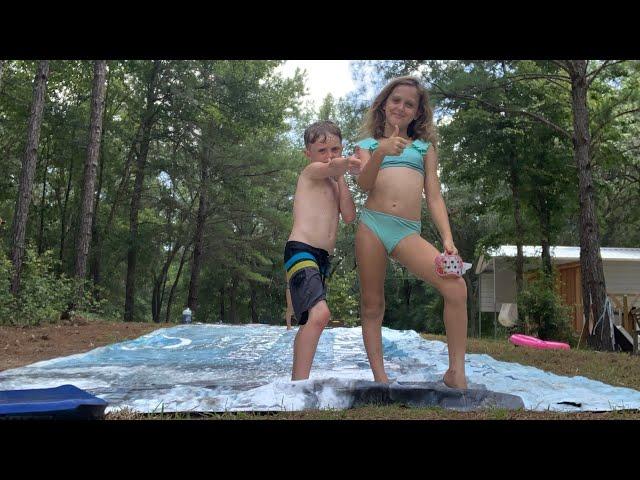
[
  {"x": 96, "y": 238},
  {"x": 27, "y": 173},
  {"x": 328, "y": 109},
  {"x": 247, "y": 105},
  {"x": 203, "y": 206},
  {"x": 90, "y": 168},
  {"x": 574, "y": 77},
  {"x": 148, "y": 118},
  {"x": 183, "y": 258},
  {"x": 593, "y": 284}
]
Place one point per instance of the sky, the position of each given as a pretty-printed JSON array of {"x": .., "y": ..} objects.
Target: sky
[
  {"x": 331, "y": 76},
  {"x": 323, "y": 77}
]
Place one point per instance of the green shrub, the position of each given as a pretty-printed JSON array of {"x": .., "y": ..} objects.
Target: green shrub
[
  {"x": 542, "y": 312},
  {"x": 7, "y": 301},
  {"x": 434, "y": 313},
  {"x": 44, "y": 294},
  {"x": 343, "y": 297}
]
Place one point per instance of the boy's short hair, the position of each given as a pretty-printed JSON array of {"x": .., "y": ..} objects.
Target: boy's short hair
[{"x": 318, "y": 130}]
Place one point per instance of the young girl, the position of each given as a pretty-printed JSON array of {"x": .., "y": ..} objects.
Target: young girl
[{"x": 399, "y": 162}]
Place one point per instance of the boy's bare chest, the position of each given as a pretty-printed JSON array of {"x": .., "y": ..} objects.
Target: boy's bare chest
[
  {"x": 328, "y": 190},
  {"x": 325, "y": 191}
]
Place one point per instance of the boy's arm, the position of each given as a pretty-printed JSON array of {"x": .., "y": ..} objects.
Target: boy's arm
[
  {"x": 334, "y": 168},
  {"x": 347, "y": 206}
]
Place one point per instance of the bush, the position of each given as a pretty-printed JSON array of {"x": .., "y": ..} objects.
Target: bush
[
  {"x": 435, "y": 316},
  {"x": 7, "y": 302},
  {"x": 343, "y": 297},
  {"x": 43, "y": 294},
  {"x": 542, "y": 312}
]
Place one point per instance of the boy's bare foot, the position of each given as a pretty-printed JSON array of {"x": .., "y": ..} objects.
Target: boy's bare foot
[{"x": 454, "y": 379}]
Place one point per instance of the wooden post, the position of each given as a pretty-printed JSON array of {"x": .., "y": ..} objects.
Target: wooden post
[
  {"x": 635, "y": 330},
  {"x": 479, "y": 307},
  {"x": 495, "y": 313},
  {"x": 626, "y": 324}
]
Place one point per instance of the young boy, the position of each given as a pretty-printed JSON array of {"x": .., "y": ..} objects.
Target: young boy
[{"x": 322, "y": 195}]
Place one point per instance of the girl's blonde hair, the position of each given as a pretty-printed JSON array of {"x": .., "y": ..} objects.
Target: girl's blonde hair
[{"x": 421, "y": 128}]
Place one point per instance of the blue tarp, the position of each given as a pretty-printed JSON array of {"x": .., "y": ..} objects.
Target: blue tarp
[{"x": 216, "y": 367}]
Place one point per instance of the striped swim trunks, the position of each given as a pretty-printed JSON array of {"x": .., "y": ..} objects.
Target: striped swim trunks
[{"x": 306, "y": 268}]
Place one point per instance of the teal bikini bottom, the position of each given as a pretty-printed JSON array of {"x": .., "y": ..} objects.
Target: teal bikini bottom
[{"x": 389, "y": 228}]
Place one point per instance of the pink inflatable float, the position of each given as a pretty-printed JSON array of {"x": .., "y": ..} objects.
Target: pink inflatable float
[{"x": 527, "y": 341}]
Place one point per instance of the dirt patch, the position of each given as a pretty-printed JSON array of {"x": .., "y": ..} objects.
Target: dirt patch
[{"x": 21, "y": 346}]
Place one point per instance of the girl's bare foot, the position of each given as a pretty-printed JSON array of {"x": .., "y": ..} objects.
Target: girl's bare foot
[{"x": 453, "y": 379}]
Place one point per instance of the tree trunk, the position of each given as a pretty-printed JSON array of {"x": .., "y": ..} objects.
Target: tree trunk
[
  {"x": 159, "y": 281},
  {"x": 90, "y": 169},
  {"x": 155, "y": 298},
  {"x": 162, "y": 292},
  {"x": 42, "y": 203},
  {"x": 233, "y": 293},
  {"x": 132, "y": 254},
  {"x": 544, "y": 216},
  {"x": 96, "y": 242},
  {"x": 406, "y": 291},
  {"x": 63, "y": 220},
  {"x": 159, "y": 285},
  {"x": 519, "y": 233},
  {"x": 124, "y": 181},
  {"x": 222, "y": 314},
  {"x": 196, "y": 262},
  {"x": 517, "y": 212},
  {"x": 203, "y": 205},
  {"x": 252, "y": 303},
  {"x": 593, "y": 283},
  {"x": 173, "y": 287},
  {"x": 27, "y": 172}
]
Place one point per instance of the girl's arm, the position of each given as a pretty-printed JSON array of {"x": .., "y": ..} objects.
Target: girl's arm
[
  {"x": 435, "y": 202},
  {"x": 394, "y": 145},
  {"x": 369, "y": 167},
  {"x": 347, "y": 207}
]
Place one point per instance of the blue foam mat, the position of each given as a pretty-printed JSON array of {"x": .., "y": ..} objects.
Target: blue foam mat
[{"x": 65, "y": 401}]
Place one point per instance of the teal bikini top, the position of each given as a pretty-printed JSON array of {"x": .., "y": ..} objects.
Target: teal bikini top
[{"x": 411, "y": 156}]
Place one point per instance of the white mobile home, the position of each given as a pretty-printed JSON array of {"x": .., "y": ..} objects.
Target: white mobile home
[{"x": 498, "y": 278}]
